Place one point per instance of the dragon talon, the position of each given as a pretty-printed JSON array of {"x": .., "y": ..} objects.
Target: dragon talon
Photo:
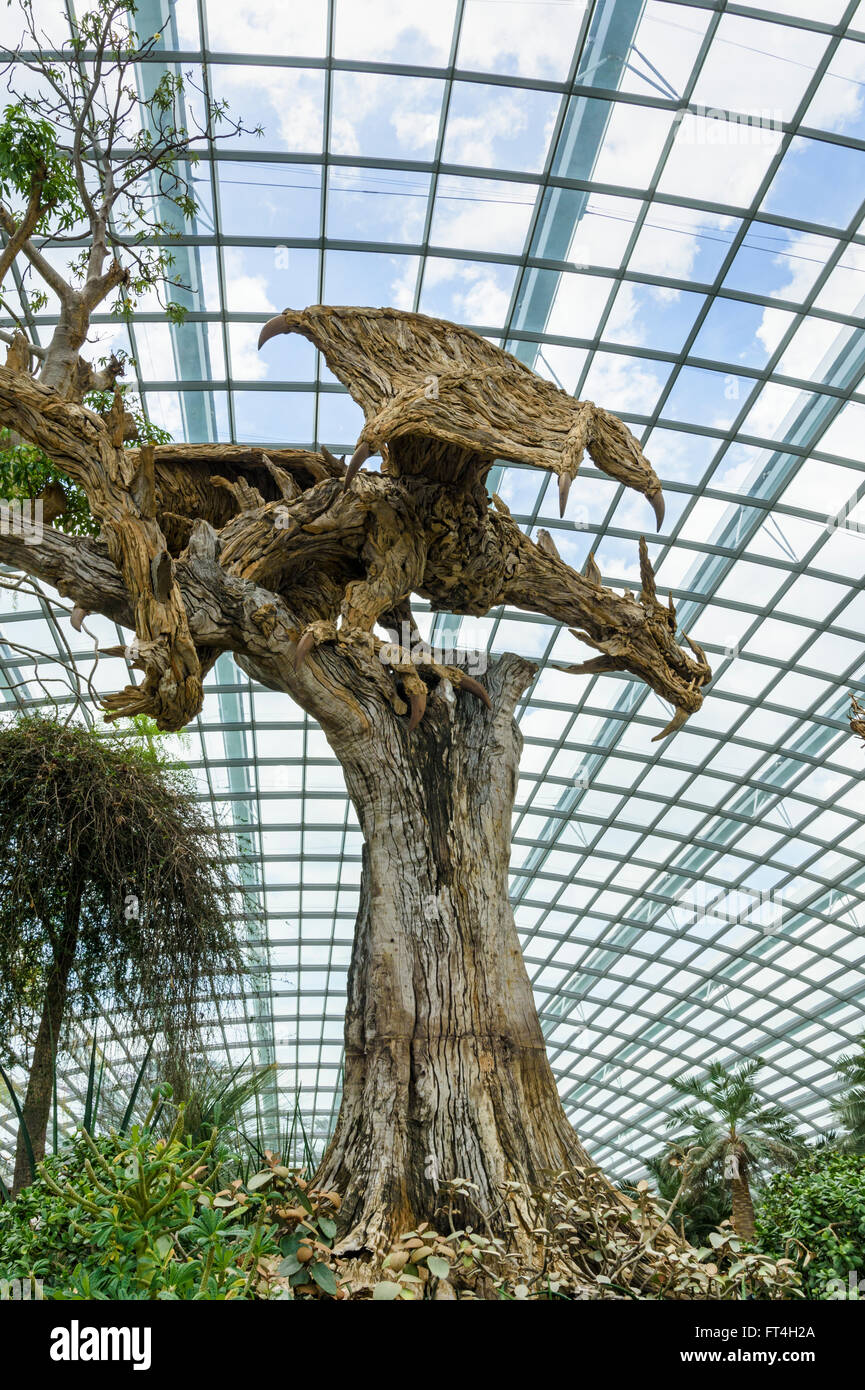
[
  {"x": 303, "y": 649},
  {"x": 417, "y": 703},
  {"x": 564, "y": 489},
  {"x": 475, "y": 688},
  {"x": 270, "y": 330},
  {"x": 659, "y": 507},
  {"x": 358, "y": 459},
  {"x": 679, "y": 719}
]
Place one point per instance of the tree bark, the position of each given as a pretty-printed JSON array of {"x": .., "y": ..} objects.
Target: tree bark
[
  {"x": 743, "y": 1208},
  {"x": 446, "y": 1073},
  {"x": 37, "y": 1098}
]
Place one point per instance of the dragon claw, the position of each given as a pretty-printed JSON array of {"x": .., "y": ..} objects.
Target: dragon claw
[
  {"x": 417, "y": 703},
  {"x": 475, "y": 688},
  {"x": 356, "y": 462},
  {"x": 303, "y": 649}
]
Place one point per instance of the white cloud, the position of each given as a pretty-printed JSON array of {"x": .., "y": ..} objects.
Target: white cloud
[
  {"x": 717, "y": 159},
  {"x": 415, "y": 129},
  {"x": 804, "y": 258},
  {"x": 773, "y": 406},
  {"x": 622, "y": 323},
  {"x": 773, "y": 326},
  {"x": 840, "y": 97},
  {"x": 267, "y": 26},
  {"x": 403, "y": 287},
  {"x": 632, "y": 144},
  {"x": 757, "y": 66},
  {"x": 472, "y": 139},
  {"x": 498, "y": 223},
  {"x": 344, "y": 138},
  {"x": 622, "y": 384},
  {"x": 844, "y": 291},
  {"x": 248, "y": 293},
  {"x": 476, "y": 296},
  {"x": 296, "y": 98},
  {"x": 844, "y": 435},
  {"x": 247, "y": 363},
  {"x": 528, "y": 37},
  {"x": 670, "y": 237},
  {"x": 483, "y": 301},
  {"x": 378, "y": 29},
  {"x": 579, "y": 302},
  {"x": 810, "y": 344}
]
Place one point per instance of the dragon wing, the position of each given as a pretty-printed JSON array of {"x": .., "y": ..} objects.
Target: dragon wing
[{"x": 442, "y": 402}]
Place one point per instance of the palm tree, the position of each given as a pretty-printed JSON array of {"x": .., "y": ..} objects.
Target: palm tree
[
  {"x": 849, "y": 1108},
  {"x": 735, "y": 1133},
  {"x": 113, "y": 895},
  {"x": 701, "y": 1206}
]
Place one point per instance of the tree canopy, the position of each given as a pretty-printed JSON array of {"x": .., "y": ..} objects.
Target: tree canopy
[{"x": 108, "y": 815}]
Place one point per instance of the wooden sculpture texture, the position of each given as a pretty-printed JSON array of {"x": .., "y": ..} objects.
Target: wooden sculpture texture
[
  {"x": 345, "y": 549},
  {"x": 297, "y": 564}
]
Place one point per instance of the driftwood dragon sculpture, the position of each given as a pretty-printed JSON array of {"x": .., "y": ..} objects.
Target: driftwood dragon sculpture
[{"x": 347, "y": 547}]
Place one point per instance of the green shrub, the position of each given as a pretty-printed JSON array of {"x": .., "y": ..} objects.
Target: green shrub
[
  {"x": 136, "y": 1217},
  {"x": 815, "y": 1213}
]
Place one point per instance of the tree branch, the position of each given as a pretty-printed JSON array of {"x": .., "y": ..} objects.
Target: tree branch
[
  {"x": 224, "y": 613},
  {"x": 53, "y": 279},
  {"x": 76, "y": 566},
  {"x": 25, "y": 227}
]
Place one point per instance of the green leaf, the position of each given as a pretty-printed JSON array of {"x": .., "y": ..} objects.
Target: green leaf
[
  {"x": 386, "y": 1292},
  {"x": 324, "y": 1277},
  {"x": 259, "y": 1180},
  {"x": 438, "y": 1266},
  {"x": 22, "y": 1126},
  {"x": 327, "y": 1227},
  {"x": 133, "y": 1095}
]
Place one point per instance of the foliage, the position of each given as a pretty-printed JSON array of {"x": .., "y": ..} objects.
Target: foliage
[
  {"x": 29, "y": 155},
  {"x": 26, "y": 471},
  {"x": 816, "y": 1214},
  {"x": 110, "y": 817},
  {"x": 731, "y": 1119},
  {"x": 136, "y": 1218},
  {"x": 589, "y": 1242},
  {"x": 216, "y": 1097},
  {"x": 305, "y": 1228},
  {"x": 702, "y": 1207},
  {"x": 127, "y": 158},
  {"x": 145, "y": 1217},
  {"x": 849, "y": 1108}
]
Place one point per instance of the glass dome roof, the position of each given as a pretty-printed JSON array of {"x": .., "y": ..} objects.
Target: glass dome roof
[{"x": 658, "y": 205}]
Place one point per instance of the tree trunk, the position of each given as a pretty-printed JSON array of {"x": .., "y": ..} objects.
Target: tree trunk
[
  {"x": 37, "y": 1099},
  {"x": 446, "y": 1072},
  {"x": 743, "y": 1208}
]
